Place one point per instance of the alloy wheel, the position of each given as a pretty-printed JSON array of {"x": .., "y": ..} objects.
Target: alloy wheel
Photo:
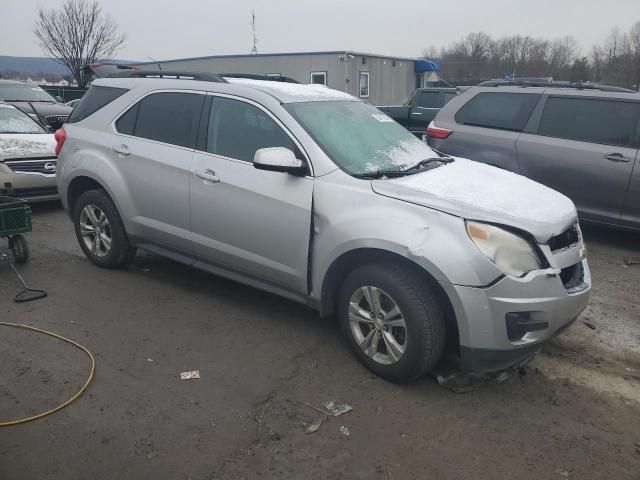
[
  {"x": 95, "y": 230},
  {"x": 377, "y": 324}
]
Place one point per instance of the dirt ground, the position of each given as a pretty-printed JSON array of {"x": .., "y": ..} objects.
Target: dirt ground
[{"x": 574, "y": 413}]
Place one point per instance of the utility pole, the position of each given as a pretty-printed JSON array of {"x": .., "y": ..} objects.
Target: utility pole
[{"x": 254, "y": 50}]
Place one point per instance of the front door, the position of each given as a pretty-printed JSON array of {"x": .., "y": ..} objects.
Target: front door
[
  {"x": 586, "y": 149},
  {"x": 250, "y": 221}
]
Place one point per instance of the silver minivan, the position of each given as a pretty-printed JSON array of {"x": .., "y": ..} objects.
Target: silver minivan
[
  {"x": 316, "y": 196},
  {"x": 579, "y": 140}
]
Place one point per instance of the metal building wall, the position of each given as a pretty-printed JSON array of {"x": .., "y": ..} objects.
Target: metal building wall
[{"x": 389, "y": 84}]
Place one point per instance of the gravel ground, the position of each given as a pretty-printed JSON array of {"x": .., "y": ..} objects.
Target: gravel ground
[{"x": 574, "y": 413}]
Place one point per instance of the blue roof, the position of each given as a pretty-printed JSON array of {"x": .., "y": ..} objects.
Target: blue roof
[{"x": 427, "y": 66}]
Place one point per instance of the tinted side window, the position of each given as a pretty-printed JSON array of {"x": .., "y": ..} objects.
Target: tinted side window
[
  {"x": 237, "y": 129},
  {"x": 504, "y": 111},
  {"x": 448, "y": 96},
  {"x": 127, "y": 123},
  {"x": 170, "y": 118},
  {"x": 93, "y": 100},
  {"x": 589, "y": 120},
  {"x": 429, "y": 100}
]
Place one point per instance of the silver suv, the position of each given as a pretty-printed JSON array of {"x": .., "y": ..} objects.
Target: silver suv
[
  {"x": 582, "y": 141},
  {"x": 316, "y": 196}
]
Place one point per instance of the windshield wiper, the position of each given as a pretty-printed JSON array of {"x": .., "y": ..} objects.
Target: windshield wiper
[
  {"x": 383, "y": 173},
  {"x": 429, "y": 161}
]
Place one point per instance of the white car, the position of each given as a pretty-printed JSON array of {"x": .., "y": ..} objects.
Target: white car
[{"x": 27, "y": 157}]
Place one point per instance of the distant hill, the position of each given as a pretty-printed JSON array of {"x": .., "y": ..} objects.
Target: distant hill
[{"x": 36, "y": 65}]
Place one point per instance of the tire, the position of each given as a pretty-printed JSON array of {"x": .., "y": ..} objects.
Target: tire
[
  {"x": 19, "y": 248},
  {"x": 116, "y": 253},
  {"x": 419, "y": 309}
]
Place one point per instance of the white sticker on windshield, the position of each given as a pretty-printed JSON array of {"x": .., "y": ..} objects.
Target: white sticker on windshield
[{"x": 382, "y": 118}]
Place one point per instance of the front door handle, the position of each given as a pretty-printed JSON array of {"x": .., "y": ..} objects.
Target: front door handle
[
  {"x": 121, "y": 149},
  {"x": 416, "y": 113},
  {"x": 207, "y": 175},
  {"x": 617, "y": 157}
]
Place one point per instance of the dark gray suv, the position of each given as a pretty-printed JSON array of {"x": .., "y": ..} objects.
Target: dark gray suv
[{"x": 581, "y": 142}]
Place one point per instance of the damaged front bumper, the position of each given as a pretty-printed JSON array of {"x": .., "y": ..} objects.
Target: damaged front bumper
[{"x": 506, "y": 323}]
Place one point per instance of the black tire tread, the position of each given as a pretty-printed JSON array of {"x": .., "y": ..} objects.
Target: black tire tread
[
  {"x": 423, "y": 302},
  {"x": 124, "y": 252}
]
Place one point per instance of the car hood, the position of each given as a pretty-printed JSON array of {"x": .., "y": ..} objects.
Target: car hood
[
  {"x": 477, "y": 191},
  {"x": 26, "y": 145}
]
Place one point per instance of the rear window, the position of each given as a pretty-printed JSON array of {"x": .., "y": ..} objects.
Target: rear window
[
  {"x": 164, "y": 117},
  {"x": 590, "y": 120},
  {"x": 429, "y": 100},
  {"x": 94, "y": 100},
  {"x": 504, "y": 111}
]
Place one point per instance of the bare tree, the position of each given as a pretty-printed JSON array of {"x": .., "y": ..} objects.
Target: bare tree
[
  {"x": 77, "y": 34},
  {"x": 634, "y": 53}
]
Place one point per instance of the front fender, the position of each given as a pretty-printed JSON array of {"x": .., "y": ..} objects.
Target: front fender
[{"x": 436, "y": 241}]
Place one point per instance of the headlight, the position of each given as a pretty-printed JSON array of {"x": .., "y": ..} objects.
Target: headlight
[{"x": 511, "y": 253}]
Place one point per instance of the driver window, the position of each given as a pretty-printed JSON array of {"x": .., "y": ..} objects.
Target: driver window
[{"x": 237, "y": 129}]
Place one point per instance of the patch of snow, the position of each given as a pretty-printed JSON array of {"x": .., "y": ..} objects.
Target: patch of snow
[
  {"x": 293, "y": 91},
  {"x": 477, "y": 191},
  {"x": 27, "y": 145},
  {"x": 405, "y": 154}
]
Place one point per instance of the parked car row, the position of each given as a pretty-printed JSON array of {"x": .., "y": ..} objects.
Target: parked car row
[{"x": 317, "y": 196}]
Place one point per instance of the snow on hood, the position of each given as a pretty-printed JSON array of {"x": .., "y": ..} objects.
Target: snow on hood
[
  {"x": 293, "y": 92},
  {"x": 15, "y": 145},
  {"x": 477, "y": 191}
]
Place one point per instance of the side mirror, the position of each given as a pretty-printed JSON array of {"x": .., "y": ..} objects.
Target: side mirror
[
  {"x": 278, "y": 159},
  {"x": 59, "y": 99}
]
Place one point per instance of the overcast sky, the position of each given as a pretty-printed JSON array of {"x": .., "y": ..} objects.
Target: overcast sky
[{"x": 165, "y": 29}]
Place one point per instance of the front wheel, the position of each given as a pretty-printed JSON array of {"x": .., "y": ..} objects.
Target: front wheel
[
  {"x": 393, "y": 320},
  {"x": 100, "y": 231}
]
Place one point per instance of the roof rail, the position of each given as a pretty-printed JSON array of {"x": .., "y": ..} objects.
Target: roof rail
[
  {"x": 251, "y": 76},
  {"x": 552, "y": 84},
  {"x": 169, "y": 74}
]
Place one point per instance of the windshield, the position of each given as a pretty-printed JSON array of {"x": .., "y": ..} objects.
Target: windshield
[
  {"x": 359, "y": 138},
  {"x": 24, "y": 93},
  {"x": 13, "y": 120}
]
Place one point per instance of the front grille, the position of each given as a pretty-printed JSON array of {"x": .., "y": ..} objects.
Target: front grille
[
  {"x": 44, "y": 166},
  {"x": 572, "y": 277},
  {"x": 56, "y": 120},
  {"x": 566, "y": 239}
]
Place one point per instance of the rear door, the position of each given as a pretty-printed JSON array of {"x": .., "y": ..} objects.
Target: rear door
[
  {"x": 486, "y": 127},
  {"x": 250, "y": 221},
  {"x": 586, "y": 148},
  {"x": 152, "y": 148}
]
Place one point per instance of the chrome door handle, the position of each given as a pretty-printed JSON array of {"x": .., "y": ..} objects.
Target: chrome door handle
[
  {"x": 208, "y": 175},
  {"x": 416, "y": 113},
  {"x": 121, "y": 149},
  {"x": 617, "y": 157}
]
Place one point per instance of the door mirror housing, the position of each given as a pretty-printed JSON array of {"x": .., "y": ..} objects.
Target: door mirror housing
[
  {"x": 278, "y": 159},
  {"x": 59, "y": 99}
]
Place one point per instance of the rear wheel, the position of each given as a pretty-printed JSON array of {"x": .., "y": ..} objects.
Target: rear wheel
[
  {"x": 393, "y": 321},
  {"x": 100, "y": 231}
]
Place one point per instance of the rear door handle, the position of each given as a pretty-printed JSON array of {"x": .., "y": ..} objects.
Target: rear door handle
[
  {"x": 121, "y": 149},
  {"x": 617, "y": 157},
  {"x": 208, "y": 175},
  {"x": 416, "y": 113}
]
